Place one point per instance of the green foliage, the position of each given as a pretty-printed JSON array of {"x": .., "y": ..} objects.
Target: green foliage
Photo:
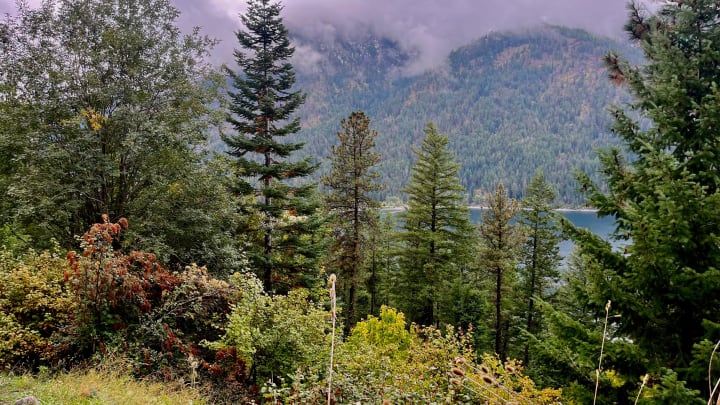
[
  {"x": 539, "y": 272},
  {"x": 193, "y": 220},
  {"x": 34, "y": 305},
  {"x": 350, "y": 205},
  {"x": 436, "y": 235},
  {"x": 666, "y": 281},
  {"x": 669, "y": 391},
  {"x": 500, "y": 241},
  {"x": 383, "y": 361},
  {"x": 386, "y": 334},
  {"x": 104, "y": 101},
  {"x": 275, "y": 335},
  {"x": 282, "y": 247},
  {"x": 567, "y": 355},
  {"x": 514, "y": 102}
]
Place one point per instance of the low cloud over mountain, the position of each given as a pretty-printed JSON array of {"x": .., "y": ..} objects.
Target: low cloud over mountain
[{"x": 430, "y": 28}]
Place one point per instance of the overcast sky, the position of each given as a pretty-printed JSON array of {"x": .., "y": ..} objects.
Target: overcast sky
[{"x": 432, "y": 26}]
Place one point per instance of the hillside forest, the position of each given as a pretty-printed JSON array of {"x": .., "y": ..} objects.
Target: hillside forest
[{"x": 136, "y": 252}]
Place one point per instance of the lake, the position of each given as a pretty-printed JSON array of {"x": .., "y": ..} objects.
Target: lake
[{"x": 602, "y": 227}]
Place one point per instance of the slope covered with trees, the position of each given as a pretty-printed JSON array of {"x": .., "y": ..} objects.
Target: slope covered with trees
[{"x": 511, "y": 103}]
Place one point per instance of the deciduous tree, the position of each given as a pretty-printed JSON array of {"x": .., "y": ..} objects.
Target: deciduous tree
[{"x": 105, "y": 108}]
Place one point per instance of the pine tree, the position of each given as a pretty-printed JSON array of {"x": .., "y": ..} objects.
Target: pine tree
[
  {"x": 436, "y": 233},
  {"x": 261, "y": 108},
  {"x": 350, "y": 203},
  {"x": 539, "y": 250},
  {"x": 666, "y": 283},
  {"x": 500, "y": 242}
]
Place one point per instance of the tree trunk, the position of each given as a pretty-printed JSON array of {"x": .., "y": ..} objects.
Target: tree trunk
[{"x": 498, "y": 314}]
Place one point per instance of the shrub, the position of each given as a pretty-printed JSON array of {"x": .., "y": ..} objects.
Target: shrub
[
  {"x": 33, "y": 306},
  {"x": 275, "y": 335},
  {"x": 157, "y": 318},
  {"x": 111, "y": 290},
  {"x": 384, "y": 361},
  {"x": 168, "y": 336}
]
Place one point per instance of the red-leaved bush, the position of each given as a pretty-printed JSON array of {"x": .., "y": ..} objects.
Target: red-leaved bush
[{"x": 112, "y": 290}]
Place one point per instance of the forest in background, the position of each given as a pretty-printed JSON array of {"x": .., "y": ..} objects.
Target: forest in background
[
  {"x": 511, "y": 103},
  {"x": 128, "y": 245}
]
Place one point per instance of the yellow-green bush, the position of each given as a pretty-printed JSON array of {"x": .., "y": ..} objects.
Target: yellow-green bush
[
  {"x": 33, "y": 305},
  {"x": 384, "y": 360},
  {"x": 275, "y": 334}
]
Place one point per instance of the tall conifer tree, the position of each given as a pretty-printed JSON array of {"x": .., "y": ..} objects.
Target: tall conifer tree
[
  {"x": 539, "y": 251},
  {"x": 436, "y": 231},
  {"x": 666, "y": 282},
  {"x": 262, "y": 106},
  {"x": 350, "y": 204},
  {"x": 500, "y": 242}
]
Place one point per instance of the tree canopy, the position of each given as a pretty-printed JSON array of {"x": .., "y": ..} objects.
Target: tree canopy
[{"x": 262, "y": 103}]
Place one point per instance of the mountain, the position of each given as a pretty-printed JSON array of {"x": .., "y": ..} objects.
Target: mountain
[{"x": 511, "y": 103}]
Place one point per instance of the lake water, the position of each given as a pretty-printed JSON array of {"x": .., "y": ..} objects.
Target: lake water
[{"x": 602, "y": 227}]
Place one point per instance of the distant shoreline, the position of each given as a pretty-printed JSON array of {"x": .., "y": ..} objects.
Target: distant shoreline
[{"x": 398, "y": 208}]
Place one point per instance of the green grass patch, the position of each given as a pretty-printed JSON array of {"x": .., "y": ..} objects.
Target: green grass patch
[{"x": 93, "y": 387}]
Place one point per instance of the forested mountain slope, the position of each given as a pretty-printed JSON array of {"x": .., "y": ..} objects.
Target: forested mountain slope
[{"x": 510, "y": 102}]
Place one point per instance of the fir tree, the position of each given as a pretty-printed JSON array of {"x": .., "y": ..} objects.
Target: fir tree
[
  {"x": 666, "y": 282},
  {"x": 436, "y": 232},
  {"x": 500, "y": 241},
  {"x": 539, "y": 251},
  {"x": 350, "y": 204},
  {"x": 261, "y": 107}
]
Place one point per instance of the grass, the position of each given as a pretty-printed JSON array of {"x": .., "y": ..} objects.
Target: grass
[{"x": 92, "y": 387}]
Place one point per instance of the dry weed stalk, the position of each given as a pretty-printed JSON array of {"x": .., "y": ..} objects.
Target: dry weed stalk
[
  {"x": 644, "y": 382},
  {"x": 713, "y": 389},
  {"x": 488, "y": 381},
  {"x": 602, "y": 348},
  {"x": 333, "y": 316}
]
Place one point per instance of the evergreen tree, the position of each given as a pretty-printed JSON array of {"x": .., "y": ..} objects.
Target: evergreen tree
[
  {"x": 500, "y": 242},
  {"x": 666, "y": 283},
  {"x": 350, "y": 204},
  {"x": 381, "y": 262},
  {"x": 282, "y": 249},
  {"x": 436, "y": 233},
  {"x": 539, "y": 251}
]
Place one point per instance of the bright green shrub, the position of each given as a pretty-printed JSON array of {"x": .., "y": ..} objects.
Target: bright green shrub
[
  {"x": 33, "y": 306},
  {"x": 275, "y": 334},
  {"x": 382, "y": 360},
  {"x": 387, "y": 334}
]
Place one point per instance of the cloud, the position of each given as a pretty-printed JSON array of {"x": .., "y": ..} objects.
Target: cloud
[{"x": 430, "y": 27}]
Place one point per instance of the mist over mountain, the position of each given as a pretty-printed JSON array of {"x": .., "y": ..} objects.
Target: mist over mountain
[{"x": 511, "y": 103}]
